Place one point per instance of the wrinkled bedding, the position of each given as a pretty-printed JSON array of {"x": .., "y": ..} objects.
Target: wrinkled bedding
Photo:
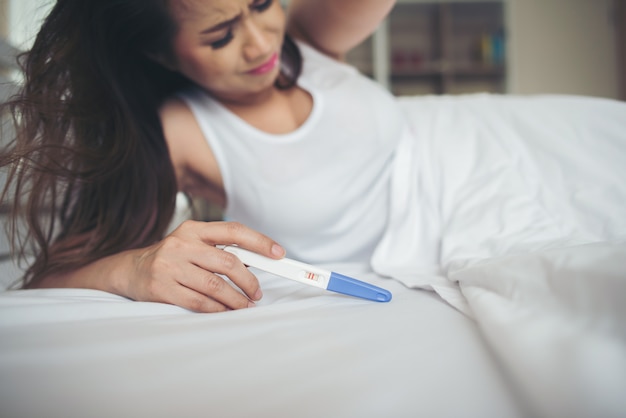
[
  {"x": 302, "y": 352},
  {"x": 513, "y": 209},
  {"x": 506, "y": 257}
]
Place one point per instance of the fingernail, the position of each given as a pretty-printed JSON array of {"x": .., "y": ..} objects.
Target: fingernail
[
  {"x": 258, "y": 295},
  {"x": 251, "y": 304},
  {"x": 277, "y": 250}
]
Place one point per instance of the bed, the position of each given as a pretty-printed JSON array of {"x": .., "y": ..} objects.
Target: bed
[{"x": 509, "y": 296}]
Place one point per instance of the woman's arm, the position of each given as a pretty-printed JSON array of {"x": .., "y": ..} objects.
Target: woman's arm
[
  {"x": 335, "y": 26},
  {"x": 183, "y": 269}
]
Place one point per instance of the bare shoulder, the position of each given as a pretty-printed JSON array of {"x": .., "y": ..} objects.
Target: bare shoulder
[
  {"x": 181, "y": 130},
  {"x": 195, "y": 164},
  {"x": 173, "y": 113},
  {"x": 335, "y": 27}
]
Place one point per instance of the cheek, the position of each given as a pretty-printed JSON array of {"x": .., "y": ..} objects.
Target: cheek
[
  {"x": 277, "y": 20},
  {"x": 202, "y": 65}
]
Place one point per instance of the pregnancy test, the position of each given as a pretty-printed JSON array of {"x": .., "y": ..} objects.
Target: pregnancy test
[{"x": 310, "y": 275}]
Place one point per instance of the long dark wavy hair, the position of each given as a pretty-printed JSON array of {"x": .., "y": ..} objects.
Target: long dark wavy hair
[{"x": 89, "y": 173}]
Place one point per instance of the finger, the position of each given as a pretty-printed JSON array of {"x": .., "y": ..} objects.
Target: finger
[
  {"x": 194, "y": 301},
  {"x": 211, "y": 259},
  {"x": 215, "y": 287},
  {"x": 236, "y": 233}
]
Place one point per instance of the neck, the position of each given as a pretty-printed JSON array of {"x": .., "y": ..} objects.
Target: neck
[{"x": 249, "y": 100}]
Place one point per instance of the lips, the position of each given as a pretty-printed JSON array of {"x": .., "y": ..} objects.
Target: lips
[{"x": 266, "y": 67}]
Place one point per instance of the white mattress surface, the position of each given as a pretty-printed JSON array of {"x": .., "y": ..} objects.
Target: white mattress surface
[
  {"x": 511, "y": 209},
  {"x": 303, "y": 352}
]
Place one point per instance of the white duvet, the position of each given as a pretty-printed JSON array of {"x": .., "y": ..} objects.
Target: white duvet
[{"x": 513, "y": 209}]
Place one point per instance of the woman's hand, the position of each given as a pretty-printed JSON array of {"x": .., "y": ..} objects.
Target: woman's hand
[{"x": 183, "y": 269}]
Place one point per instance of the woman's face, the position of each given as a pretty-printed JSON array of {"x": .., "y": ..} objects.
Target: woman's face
[{"x": 229, "y": 47}]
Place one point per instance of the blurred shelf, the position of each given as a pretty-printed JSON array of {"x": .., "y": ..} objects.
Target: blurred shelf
[{"x": 445, "y": 43}]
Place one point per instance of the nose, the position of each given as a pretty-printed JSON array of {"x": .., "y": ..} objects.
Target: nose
[{"x": 257, "y": 43}]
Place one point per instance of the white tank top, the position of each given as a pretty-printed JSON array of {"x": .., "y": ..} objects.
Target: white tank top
[{"x": 322, "y": 190}]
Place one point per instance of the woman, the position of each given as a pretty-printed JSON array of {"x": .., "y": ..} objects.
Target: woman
[{"x": 127, "y": 102}]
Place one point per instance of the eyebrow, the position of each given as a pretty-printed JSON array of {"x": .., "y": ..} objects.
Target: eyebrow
[{"x": 222, "y": 25}]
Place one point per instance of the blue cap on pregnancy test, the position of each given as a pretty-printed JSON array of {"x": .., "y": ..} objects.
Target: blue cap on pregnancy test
[{"x": 353, "y": 287}]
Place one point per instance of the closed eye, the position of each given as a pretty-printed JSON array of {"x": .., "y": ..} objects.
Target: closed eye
[
  {"x": 220, "y": 43},
  {"x": 261, "y": 5},
  {"x": 257, "y": 5}
]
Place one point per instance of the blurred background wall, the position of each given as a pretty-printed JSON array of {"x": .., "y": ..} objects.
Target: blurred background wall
[{"x": 565, "y": 46}]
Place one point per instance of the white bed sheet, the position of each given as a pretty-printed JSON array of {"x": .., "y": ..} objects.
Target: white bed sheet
[
  {"x": 557, "y": 320},
  {"x": 526, "y": 237},
  {"x": 513, "y": 209},
  {"x": 303, "y": 352}
]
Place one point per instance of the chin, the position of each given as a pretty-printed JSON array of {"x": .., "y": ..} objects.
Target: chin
[{"x": 264, "y": 82}]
